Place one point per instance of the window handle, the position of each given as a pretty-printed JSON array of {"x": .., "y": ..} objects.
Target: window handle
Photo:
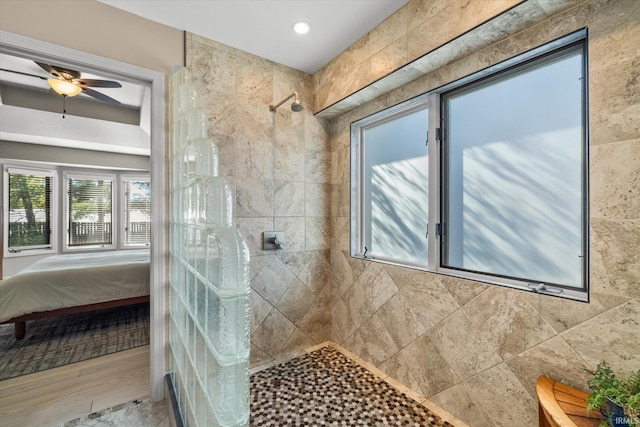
[{"x": 541, "y": 288}]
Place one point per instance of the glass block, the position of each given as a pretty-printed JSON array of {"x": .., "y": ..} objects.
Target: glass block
[
  {"x": 189, "y": 162},
  {"x": 176, "y": 172},
  {"x": 200, "y": 249},
  {"x": 191, "y": 291},
  {"x": 206, "y": 157},
  {"x": 200, "y": 404},
  {"x": 178, "y": 133},
  {"x": 192, "y": 247},
  {"x": 183, "y": 100},
  {"x": 215, "y": 202},
  {"x": 209, "y": 281},
  {"x": 201, "y": 359},
  {"x": 189, "y": 204},
  {"x": 191, "y": 417},
  {"x": 228, "y": 326},
  {"x": 228, "y": 262},
  {"x": 196, "y": 125},
  {"x": 180, "y": 76},
  {"x": 201, "y": 301},
  {"x": 181, "y": 395},
  {"x": 228, "y": 391}
]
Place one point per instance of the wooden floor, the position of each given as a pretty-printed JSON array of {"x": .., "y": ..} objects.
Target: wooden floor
[{"x": 54, "y": 396}]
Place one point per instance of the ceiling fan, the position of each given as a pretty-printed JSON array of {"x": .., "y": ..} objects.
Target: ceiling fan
[{"x": 67, "y": 82}]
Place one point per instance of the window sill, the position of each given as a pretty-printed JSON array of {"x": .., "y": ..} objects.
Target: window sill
[{"x": 28, "y": 252}]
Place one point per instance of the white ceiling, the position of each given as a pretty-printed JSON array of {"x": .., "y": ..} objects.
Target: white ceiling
[{"x": 263, "y": 27}]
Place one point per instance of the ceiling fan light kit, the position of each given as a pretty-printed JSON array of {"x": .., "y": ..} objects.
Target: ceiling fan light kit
[
  {"x": 67, "y": 82},
  {"x": 64, "y": 88}
]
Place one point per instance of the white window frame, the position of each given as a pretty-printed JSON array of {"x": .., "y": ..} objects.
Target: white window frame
[
  {"x": 435, "y": 177},
  {"x": 26, "y": 170},
  {"x": 67, "y": 175},
  {"x": 123, "y": 214}
]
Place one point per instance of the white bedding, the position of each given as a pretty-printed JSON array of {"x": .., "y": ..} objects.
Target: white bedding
[{"x": 69, "y": 280}]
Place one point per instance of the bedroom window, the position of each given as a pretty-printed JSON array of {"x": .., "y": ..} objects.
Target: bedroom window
[
  {"x": 137, "y": 211},
  {"x": 30, "y": 211},
  {"x": 503, "y": 193},
  {"x": 89, "y": 212}
]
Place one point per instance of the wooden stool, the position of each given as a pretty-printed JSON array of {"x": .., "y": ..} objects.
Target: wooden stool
[{"x": 560, "y": 405}]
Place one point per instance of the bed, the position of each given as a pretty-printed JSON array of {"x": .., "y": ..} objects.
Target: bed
[{"x": 74, "y": 283}]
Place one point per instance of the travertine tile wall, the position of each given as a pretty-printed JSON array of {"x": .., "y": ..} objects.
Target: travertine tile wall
[
  {"x": 474, "y": 349},
  {"x": 477, "y": 349},
  {"x": 414, "y": 30},
  {"x": 278, "y": 166}
]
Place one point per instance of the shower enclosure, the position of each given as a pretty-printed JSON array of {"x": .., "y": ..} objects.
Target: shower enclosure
[{"x": 209, "y": 276}]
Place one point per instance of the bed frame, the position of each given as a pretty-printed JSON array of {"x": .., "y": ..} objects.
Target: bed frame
[{"x": 20, "y": 321}]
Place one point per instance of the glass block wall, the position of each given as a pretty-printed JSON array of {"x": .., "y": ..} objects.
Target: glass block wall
[{"x": 209, "y": 276}]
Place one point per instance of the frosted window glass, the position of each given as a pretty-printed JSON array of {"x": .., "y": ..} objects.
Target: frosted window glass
[
  {"x": 395, "y": 193},
  {"x": 513, "y": 174}
]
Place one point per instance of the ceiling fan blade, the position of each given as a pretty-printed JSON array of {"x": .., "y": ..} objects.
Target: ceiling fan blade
[
  {"x": 100, "y": 96},
  {"x": 97, "y": 83},
  {"x": 48, "y": 68},
  {"x": 24, "y": 74}
]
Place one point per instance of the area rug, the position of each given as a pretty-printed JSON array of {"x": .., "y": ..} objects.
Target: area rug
[
  {"x": 57, "y": 341},
  {"x": 325, "y": 387}
]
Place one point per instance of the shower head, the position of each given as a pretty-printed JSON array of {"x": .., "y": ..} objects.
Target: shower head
[{"x": 296, "y": 106}]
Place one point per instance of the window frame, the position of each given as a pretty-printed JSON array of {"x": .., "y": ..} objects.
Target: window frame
[
  {"x": 436, "y": 179},
  {"x": 124, "y": 178},
  {"x": 67, "y": 176},
  {"x": 53, "y": 215},
  {"x": 357, "y": 239}
]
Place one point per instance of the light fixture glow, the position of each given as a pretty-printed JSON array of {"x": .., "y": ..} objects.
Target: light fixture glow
[
  {"x": 64, "y": 87},
  {"x": 301, "y": 27}
]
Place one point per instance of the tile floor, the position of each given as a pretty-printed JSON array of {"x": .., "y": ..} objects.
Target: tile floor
[
  {"x": 137, "y": 413},
  {"x": 325, "y": 386}
]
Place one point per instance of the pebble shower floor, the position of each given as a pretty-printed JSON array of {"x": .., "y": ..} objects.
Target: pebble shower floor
[{"x": 326, "y": 388}]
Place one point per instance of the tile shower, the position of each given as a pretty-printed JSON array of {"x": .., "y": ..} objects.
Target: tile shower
[{"x": 448, "y": 339}]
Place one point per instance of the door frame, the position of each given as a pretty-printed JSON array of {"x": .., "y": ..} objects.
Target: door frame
[{"x": 18, "y": 45}]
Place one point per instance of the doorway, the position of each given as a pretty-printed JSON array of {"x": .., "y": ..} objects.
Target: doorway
[{"x": 21, "y": 46}]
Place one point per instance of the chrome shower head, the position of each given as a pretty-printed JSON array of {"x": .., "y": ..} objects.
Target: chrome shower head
[{"x": 296, "y": 106}]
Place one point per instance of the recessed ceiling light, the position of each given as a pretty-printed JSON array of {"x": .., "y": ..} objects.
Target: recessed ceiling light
[{"x": 301, "y": 27}]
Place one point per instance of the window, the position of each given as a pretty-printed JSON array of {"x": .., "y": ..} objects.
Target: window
[
  {"x": 89, "y": 213},
  {"x": 30, "y": 210},
  {"x": 393, "y": 168},
  {"x": 137, "y": 211},
  {"x": 504, "y": 186}
]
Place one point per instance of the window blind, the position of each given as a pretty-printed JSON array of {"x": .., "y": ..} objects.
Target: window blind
[
  {"x": 90, "y": 211},
  {"x": 29, "y": 211},
  {"x": 137, "y": 212}
]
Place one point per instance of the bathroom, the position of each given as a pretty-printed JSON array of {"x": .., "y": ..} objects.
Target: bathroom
[{"x": 472, "y": 348}]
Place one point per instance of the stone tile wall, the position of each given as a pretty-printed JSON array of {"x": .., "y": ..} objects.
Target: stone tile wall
[
  {"x": 477, "y": 349},
  {"x": 472, "y": 348},
  {"x": 278, "y": 167},
  {"x": 414, "y": 30}
]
